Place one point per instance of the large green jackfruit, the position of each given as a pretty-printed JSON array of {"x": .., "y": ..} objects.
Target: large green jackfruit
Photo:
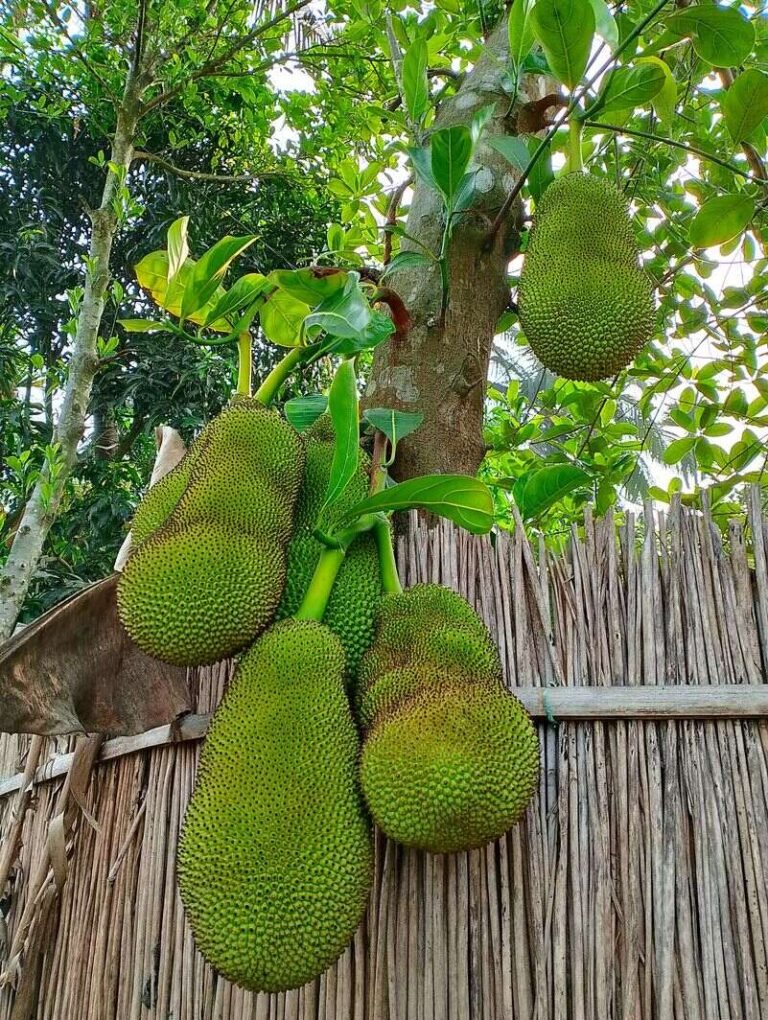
[
  {"x": 450, "y": 757},
  {"x": 208, "y": 581},
  {"x": 355, "y": 595},
  {"x": 586, "y": 306},
  {"x": 160, "y": 501},
  {"x": 275, "y": 856}
]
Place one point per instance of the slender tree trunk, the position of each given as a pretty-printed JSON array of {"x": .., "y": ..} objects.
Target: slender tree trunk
[
  {"x": 40, "y": 511},
  {"x": 440, "y": 369}
]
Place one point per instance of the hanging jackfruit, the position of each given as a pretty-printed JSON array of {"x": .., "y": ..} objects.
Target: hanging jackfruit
[
  {"x": 586, "y": 306},
  {"x": 208, "y": 581},
  {"x": 450, "y": 757},
  {"x": 275, "y": 857}
]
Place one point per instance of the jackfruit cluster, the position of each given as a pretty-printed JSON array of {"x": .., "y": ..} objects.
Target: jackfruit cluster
[
  {"x": 355, "y": 595},
  {"x": 207, "y": 580},
  {"x": 586, "y": 306},
  {"x": 450, "y": 757},
  {"x": 275, "y": 857}
]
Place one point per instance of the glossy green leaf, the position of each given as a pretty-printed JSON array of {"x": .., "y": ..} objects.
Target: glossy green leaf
[
  {"x": 745, "y": 103},
  {"x": 451, "y": 153},
  {"x": 720, "y": 35},
  {"x": 535, "y": 492},
  {"x": 311, "y": 286},
  {"x": 143, "y": 326},
  {"x": 421, "y": 160},
  {"x": 541, "y": 174},
  {"x": 565, "y": 29},
  {"x": 678, "y": 449},
  {"x": 344, "y": 314},
  {"x": 512, "y": 148},
  {"x": 630, "y": 87},
  {"x": 303, "y": 412},
  {"x": 152, "y": 276},
  {"x": 520, "y": 30},
  {"x": 241, "y": 293},
  {"x": 178, "y": 249},
  {"x": 282, "y": 317},
  {"x": 209, "y": 272},
  {"x": 395, "y": 425},
  {"x": 665, "y": 100},
  {"x": 465, "y": 501},
  {"x": 720, "y": 219},
  {"x": 343, "y": 408},
  {"x": 605, "y": 24},
  {"x": 415, "y": 84},
  {"x": 408, "y": 260}
]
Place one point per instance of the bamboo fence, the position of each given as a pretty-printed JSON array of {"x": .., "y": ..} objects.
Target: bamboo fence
[{"x": 634, "y": 888}]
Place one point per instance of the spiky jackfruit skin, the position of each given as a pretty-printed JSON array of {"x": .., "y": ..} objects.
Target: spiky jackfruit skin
[
  {"x": 275, "y": 858},
  {"x": 450, "y": 768},
  {"x": 209, "y": 580},
  {"x": 356, "y": 592},
  {"x": 586, "y": 306},
  {"x": 160, "y": 501},
  {"x": 450, "y": 757}
]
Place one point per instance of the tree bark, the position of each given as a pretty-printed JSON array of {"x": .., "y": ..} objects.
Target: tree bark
[
  {"x": 40, "y": 511},
  {"x": 440, "y": 369}
]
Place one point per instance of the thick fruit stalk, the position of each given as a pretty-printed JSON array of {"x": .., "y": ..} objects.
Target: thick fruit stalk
[
  {"x": 208, "y": 574},
  {"x": 450, "y": 757}
]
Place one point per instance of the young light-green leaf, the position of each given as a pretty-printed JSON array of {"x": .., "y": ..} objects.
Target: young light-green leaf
[
  {"x": 152, "y": 275},
  {"x": 720, "y": 219},
  {"x": 282, "y": 317},
  {"x": 629, "y": 87},
  {"x": 720, "y": 35},
  {"x": 343, "y": 408},
  {"x": 464, "y": 500},
  {"x": 605, "y": 24},
  {"x": 415, "y": 84},
  {"x": 307, "y": 286},
  {"x": 209, "y": 272},
  {"x": 302, "y": 412},
  {"x": 565, "y": 29},
  {"x": 538, "y": 490},
  {"x": 345, "y": 313},
  {"x": 178, "y": 249},
  {"x": 520, "y": 31},
  {"x": 451, "y": 152},
  {"x": 745, "y": 104},
  {"x": 143, "y": 326},
  {"x": 395, "y": 425},
  {"x": 241, "y": 293}
]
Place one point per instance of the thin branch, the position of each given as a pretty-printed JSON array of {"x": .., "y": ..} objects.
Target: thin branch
[
  {"x": 391, "y": 220},
  {"x": 676, "y": 145},
  {"x": 211, "y": 67},
  {"x": 198, "y": 175}
]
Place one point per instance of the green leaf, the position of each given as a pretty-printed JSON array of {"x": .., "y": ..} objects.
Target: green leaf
[
  {"x": 152, "y": 275},
  {"x": 281, "y": 318},
  {"x": 678, "y": 449},
  {"x": 565, "y": 29},
  {"x": 745, "y": 103},
  {"x": 542, "y": 175},
  {"x": 178, "y": 249},
  {"x": 302, "y": 412},
  {"x": 142, "y": 326},
  {"x": 720, "y": 219},
  {"x": 512, "y": 149},
  {"x": 465, "y": 501},
  {"x": 407, "y": 260},
  {"x": 342, "y": 404},
  {"x": 630, "y": 87},
  {"x": 520, "y": 33},
  {"x": 209, "y": 271},
  {"x": 540, "y": 489},
  {"x": 307, "y": 286},
  {"x": 242, "y": 292},
  {"x": 451, "y": 153},
  {"x": 665, "y": 100},
  {"x": 379, "y": 327},
  {"x": 345, "y": 313},
  {"x": 415, "y": 84},
  {"x": 421, "y": 160},
  {"x": 605, "y": 24},
  {"x": 395, "y": 425},
  {"x": 720, "y": 35}
]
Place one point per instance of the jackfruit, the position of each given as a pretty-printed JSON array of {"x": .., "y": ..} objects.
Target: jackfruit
[
  {"x": 208, "y": 581},
  {"x": 275, "y": 857},
  {"x": 450, "y": 768},
  {"x": 355, "y": 595},
  {"x": 159, "y": 502},
  {"x": 450, "y": 757},
  {"x": 585, "y": 304}
]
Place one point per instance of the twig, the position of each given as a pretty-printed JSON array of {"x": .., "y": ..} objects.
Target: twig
[{"x": 199, "y": 175}]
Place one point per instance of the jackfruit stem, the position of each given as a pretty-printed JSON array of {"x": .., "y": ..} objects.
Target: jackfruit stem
[
  {"x": 575, "y": 164},
  {"x": 268, "y": 390},
  {"x": 244, "y": 364},
  {"x": 315, "y": 600},
  {"x": 390, "y": 580}
]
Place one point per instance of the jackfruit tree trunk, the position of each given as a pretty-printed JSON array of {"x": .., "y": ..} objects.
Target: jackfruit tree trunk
[
  {"x": 40, "y": 511},
  {"x": 441, "y": 367}
]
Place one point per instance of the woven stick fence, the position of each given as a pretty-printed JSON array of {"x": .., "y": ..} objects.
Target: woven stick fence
[{"x": 634, "y": 888}]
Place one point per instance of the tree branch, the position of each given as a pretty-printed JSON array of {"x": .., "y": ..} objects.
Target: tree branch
[
  {"x": 210, "y": 68},
  {"x": 198, "y": 175},
  {"x": 53, "y": 15}
]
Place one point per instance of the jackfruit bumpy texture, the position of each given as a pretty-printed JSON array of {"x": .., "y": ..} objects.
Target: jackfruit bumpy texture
[
  {"x": 208, "y": 581},
  {"x": 355, "y": 595},
  {"x": 586, "y": 306},
  {"x": 450, "y": 757},
  {"x": 275, "y": 857}
]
